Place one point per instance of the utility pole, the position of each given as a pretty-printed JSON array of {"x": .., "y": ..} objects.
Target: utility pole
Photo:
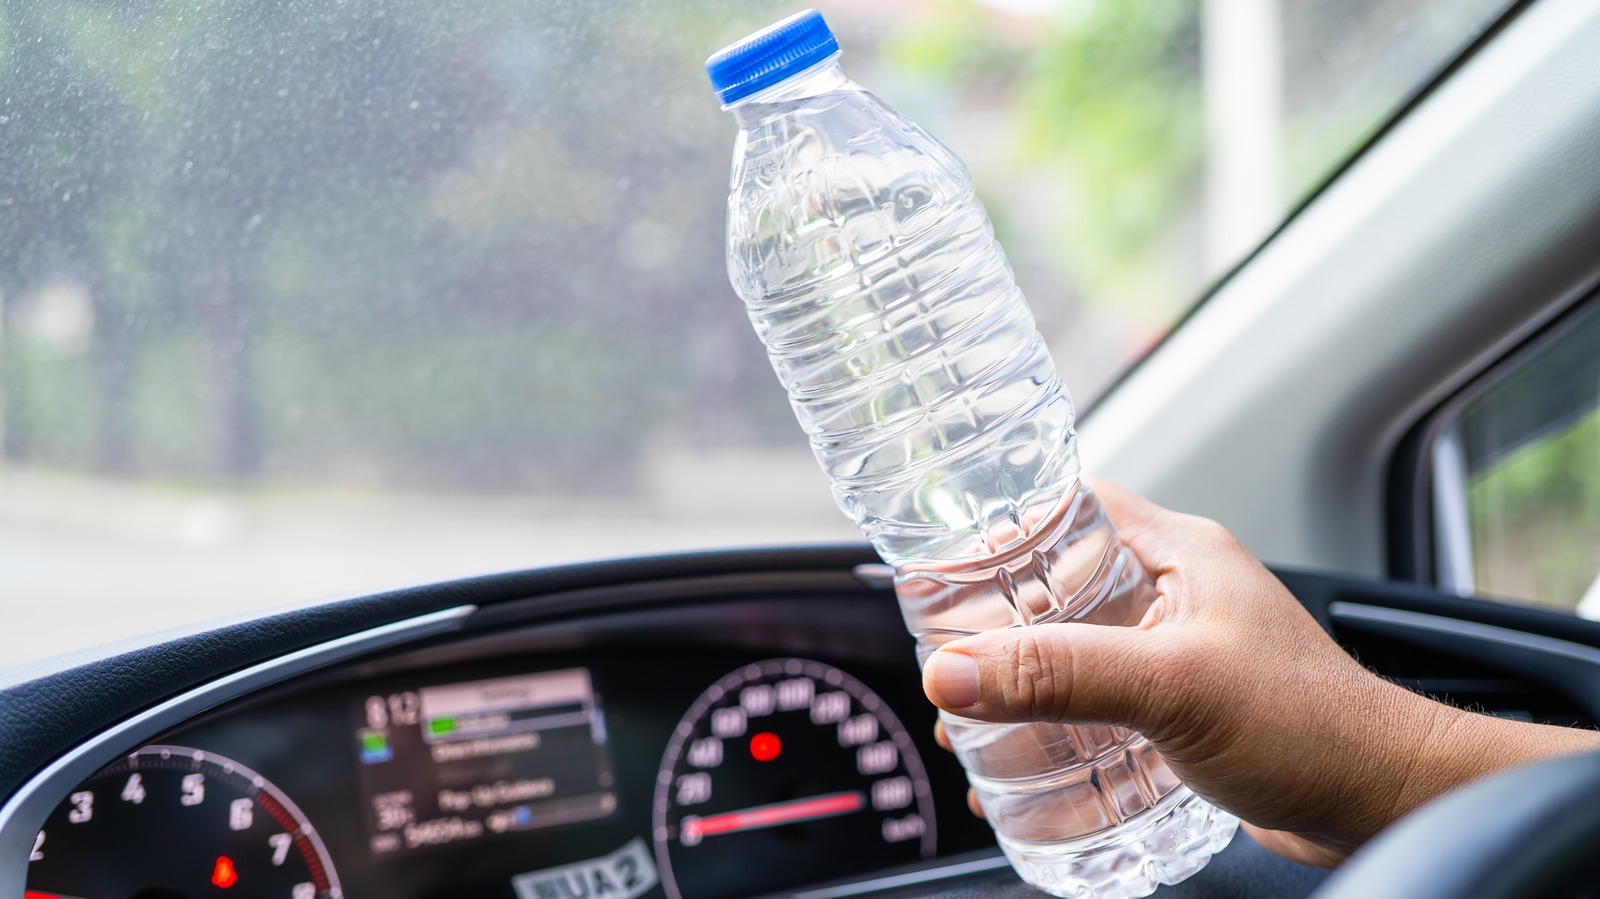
[{"x": 1241, "y": 49}]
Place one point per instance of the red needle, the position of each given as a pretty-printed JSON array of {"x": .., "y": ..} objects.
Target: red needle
[{"x": 760, "y": 816}]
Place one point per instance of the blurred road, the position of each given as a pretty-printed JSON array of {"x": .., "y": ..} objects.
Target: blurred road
[{"x": 86, "y": 562}]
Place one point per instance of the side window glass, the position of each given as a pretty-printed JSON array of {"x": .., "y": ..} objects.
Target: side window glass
[{"x": 1517, "y": 478}]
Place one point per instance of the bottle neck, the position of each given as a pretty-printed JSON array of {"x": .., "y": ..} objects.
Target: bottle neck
[{"x": 821, "y": 78}]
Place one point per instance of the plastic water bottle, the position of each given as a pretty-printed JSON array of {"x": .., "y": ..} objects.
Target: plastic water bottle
[{"x": 872, "y": 275}]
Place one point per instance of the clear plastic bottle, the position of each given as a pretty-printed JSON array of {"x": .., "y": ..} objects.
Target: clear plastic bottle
[{"x": 871, "y": 273}]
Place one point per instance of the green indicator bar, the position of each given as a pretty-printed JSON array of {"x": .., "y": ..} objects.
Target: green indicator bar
[
  {"x": 374, "y": 742},
  {"x": 441, "y": 726}
]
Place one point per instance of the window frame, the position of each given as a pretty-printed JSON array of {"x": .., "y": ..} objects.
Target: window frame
[{"x": 1429, "y": 535}]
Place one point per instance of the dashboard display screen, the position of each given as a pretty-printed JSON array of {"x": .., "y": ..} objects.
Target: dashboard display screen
[{"x": 452, "y": 763}]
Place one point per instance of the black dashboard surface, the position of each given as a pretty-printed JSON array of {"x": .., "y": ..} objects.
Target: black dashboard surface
[
  {"x": 545, "y": 740},
  {"x": 630, "y": 669},
  {"x": 46, "y": 708},
  {"x": 587, "y": 787}
]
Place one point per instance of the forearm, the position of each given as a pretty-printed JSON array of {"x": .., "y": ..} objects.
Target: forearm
[
  {"x": 1465, "y": 746},
  {"x": 1396, "y": 751}
]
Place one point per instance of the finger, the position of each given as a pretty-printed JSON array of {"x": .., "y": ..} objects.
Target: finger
[
  {"x": 1054, "y": 672},
  {"x": 972, "y": 803},
  {"x": 942, "y": 738},
  {"x": 1186, "y": 555},
  {"x": 1294, "y": 847},
  {"x": 1154, "y": 534},
  {"x": 1128, "y": 510}
]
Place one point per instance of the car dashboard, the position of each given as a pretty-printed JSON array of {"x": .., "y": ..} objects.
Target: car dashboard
[
  {"x": 742, "y": 723},
  {"x": 722, "y": 735}
]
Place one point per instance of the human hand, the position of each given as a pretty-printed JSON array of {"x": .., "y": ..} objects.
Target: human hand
[{"x": 1250, "y": 702}]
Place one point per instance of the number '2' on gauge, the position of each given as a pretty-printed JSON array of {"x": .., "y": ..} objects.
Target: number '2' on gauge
[{"x": 179, "y": 822}]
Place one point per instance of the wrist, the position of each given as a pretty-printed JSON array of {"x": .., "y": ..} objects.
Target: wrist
[
  {"x": 1389, "y": 762},
  {"x": 1433, "y": 757},
  {"x": 1461, "y": 746}
]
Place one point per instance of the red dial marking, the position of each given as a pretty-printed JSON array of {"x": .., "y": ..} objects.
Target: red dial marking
[
  {"x": 223, "y": 873},
  {"x": 774, "y": 815},
  {"x": 765, "y": 746}
]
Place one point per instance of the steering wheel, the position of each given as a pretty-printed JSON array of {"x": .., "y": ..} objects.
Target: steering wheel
[{"x": 1529, "y": 832}]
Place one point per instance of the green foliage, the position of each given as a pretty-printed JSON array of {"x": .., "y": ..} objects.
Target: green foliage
[
  {"x": 283, "y": 205},
  {"x": 1108, "y": 95},
  {"x": 330, "y": 240},
  {"x": 47, "y": 404},
  {"x": 469, "y": 407},
  {"x": 1535, "y": 518},
  {"x": 174, "y": 430}
]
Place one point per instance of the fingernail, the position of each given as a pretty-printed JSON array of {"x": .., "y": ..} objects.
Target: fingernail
[{"x": 952, "y": 679}]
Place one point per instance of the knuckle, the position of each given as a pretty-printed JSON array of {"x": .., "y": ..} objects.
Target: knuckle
[
  {"x": 1211, "y": 530},
  {"x": 1205, "y": 539},
  {"x": 1034, "y": 688}
]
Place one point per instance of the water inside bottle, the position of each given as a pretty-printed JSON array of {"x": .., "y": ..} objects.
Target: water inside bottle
[{"x": 870, "y": 271}]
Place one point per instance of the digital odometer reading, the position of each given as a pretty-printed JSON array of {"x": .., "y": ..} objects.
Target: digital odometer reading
[{"x": 447, "y": 764}]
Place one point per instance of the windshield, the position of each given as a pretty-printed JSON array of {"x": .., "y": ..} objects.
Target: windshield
[{"x": 316, "y": 297}]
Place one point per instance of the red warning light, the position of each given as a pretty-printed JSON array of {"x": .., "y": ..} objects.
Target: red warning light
[
  {"x": 223, "y": 874},
  {"x": 765, "y": 746}
]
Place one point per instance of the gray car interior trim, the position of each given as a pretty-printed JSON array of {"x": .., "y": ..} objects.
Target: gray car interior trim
[
  {"x": 1276, "y": 407},
  {"x": 1452, "y": 543}
]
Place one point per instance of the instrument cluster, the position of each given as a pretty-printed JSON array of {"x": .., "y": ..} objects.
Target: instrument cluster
[{"x": 665, "y": 762}]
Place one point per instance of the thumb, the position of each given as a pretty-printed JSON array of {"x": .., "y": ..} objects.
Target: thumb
[{"x": 1050, "y": 672}]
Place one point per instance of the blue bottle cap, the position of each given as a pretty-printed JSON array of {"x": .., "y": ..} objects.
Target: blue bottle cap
[{"x": 770, "y": 55}]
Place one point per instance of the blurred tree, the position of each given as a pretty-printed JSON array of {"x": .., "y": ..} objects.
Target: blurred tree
[
  {"x": 53, "y": 189},
  {"x": 333, "y": 238},
  {"x": 1535, "y": 517},
  {"x": 1107, "y": 93}
]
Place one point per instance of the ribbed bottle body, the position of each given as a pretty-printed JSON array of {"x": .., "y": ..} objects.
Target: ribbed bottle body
[
  {"x": 911, "y": 359},
  {"x": 870, "y": 270}
]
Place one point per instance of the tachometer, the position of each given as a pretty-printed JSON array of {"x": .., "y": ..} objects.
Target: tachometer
[
  {"x": 166, "y": 822},
  {"x": 787, "y": 772}
]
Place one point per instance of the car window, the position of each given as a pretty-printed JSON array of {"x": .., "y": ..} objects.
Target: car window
[
  {"x": 1517, "y": 477},
  {"x": 314, "y": 297}
]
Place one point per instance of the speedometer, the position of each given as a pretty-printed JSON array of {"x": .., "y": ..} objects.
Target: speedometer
[
  {"x": 170, "y": 821},
  {"x": 786, "y": 772}
]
